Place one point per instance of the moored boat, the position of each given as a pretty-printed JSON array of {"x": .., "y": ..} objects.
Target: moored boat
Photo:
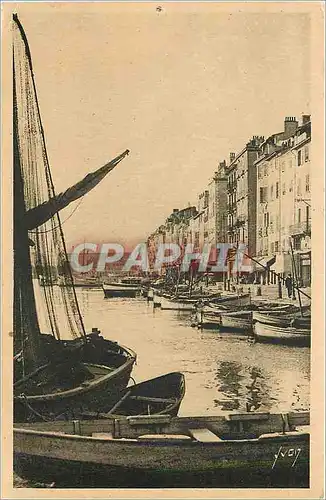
[
  {"x": 209, "y": 315},
  {"x": 282, "y": 335},
  {"x": 236, "y": 450},
  {"x": 177, "y": 303},
  {"x": 77, "y": 376},
  {"x": 236, "y": 321},
  {"x": 274, "y": 318},
  {"x": 158, "y": 396},
  {"x": 120, "y": 289}
]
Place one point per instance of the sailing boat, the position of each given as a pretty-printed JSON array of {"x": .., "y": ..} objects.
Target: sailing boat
[{"x": 66, "y": 371}]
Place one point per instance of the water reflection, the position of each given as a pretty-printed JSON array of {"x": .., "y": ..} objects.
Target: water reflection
[{"x": 229, "y": 384}]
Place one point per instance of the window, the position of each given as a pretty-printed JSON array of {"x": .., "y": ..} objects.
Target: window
[
  {"x": 299, "y": 158},
  {"x": 299, "y": 187},
  {"x": 296, "y": 243},
  {"x": 260, "y": 172},
  {"x": 267, "y": 219},
  {"x": 276, "y": 190},
  {"x": 276, "y": 249},
  {"x": 283, "y": 188},
  {"x": 291, "y": 187},
  {"x": 272, "y": 192},
  {"x": 261, "y": 195},
  {"x": 272, "y": 247},
  {"x": 306, "y": 153},
  {"x": 299, "y": 215},
  {"x": 307, "y": 183},
  {"x": 307, "y": 213}
]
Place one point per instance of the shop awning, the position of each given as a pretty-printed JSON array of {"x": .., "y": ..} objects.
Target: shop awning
[{"x": 264, "y": 262}]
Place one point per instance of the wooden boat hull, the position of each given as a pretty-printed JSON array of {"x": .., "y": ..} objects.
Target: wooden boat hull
[
  {"x": 275, "y": 334},
  {"x": 282, "y": 321},
  {"x": 158, "y": 396},
  {"x": 209, "y": 316},
  {"x": 240, "y": 322},
  {"x": 111, "y": 365},
  {"x": 177, "y": 305},
  {"x": 232, "y": 300},
  {"x": 111, "y": 291},
  {"x": 162, "y": 455}
]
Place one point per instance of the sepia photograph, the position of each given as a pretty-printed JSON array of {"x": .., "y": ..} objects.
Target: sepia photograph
[{"x": 162, "y": 249}]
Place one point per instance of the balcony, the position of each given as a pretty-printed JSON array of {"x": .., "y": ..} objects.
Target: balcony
[{"x": 301, "y": 228}]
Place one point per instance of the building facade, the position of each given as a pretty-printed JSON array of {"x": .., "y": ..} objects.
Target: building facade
[
  {"x": 241, "y": 194},
  {"x": 283, "y": 202}
]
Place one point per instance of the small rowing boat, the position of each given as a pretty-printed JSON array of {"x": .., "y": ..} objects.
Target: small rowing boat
[
  {"x": 158, "y": 396},
  {"x": 279, "y": 335}
]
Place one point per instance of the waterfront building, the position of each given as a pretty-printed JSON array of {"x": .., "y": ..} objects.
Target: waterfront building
[
  {"x": 242, "y": 200},
  {"x": 283, "y": 203},
  {"x": 241, "y": 191},
  {"x": 176, "y": 230}
]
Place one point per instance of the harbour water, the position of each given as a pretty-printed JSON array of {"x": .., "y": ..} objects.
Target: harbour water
[{"x": 224, "y": 371}]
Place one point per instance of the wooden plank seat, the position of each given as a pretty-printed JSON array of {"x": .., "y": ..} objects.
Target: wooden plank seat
[
  {"x": 149, "y": 420},
  {"x": 204, "y": 435},
  {"x": 246, "y": 416},
  {"x": 164, "y": 437}
]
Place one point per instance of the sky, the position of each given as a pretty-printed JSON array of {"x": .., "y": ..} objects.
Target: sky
[{"x": 180, "y": 87}]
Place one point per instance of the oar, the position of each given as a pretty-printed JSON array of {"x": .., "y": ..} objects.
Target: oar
[{"x": 126, "y": 396}]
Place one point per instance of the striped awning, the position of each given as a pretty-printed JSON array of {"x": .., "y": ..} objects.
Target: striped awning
[{"x": 264, "y": 262}]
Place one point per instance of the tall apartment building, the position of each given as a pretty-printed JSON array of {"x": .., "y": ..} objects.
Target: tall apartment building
[
  {"x": 283, "y": 202},
  {"x": 217, "y": 207},
  {"x": 242, "y": 195}
]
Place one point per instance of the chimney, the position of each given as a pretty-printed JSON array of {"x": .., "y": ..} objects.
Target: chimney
[
  {"x": 305, "y": 119},
  {"x": 290, "y": 126},
  {"x": 232, "y": 157}
]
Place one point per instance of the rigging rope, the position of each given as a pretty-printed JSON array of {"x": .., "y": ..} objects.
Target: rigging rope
[{"x": 62, "y": 223}]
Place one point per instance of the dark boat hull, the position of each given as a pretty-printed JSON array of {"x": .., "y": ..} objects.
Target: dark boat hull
[
  {"x": 110, "y": 364},
  {"x": 158, "y": 396},
  {"x": 98, "y": 394},
  {"x": 162, "y": 459},
  {"x": 120, "y": 291}
]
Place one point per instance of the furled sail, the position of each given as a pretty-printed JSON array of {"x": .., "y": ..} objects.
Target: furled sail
[{"x": 41, "y": 213}]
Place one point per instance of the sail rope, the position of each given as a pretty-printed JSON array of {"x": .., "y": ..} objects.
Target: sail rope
[
  {"x": 48, "y": 256},
  {"x": 62, "y": 222}
]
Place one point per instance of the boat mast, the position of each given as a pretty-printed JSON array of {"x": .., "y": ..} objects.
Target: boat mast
[{"x": 29, "y": 59}]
